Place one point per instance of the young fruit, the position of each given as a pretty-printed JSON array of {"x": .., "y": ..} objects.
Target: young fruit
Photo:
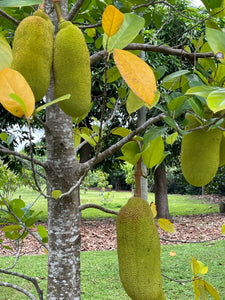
[
  {"x": 33, "y": 52},
  {"x": 71, "y": 66},
  {"x": 200, "y": 153},
  {"x": 138, "y": 250}
]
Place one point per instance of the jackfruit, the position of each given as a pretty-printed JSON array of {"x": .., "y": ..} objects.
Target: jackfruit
[
  {"x": 71, "y": 68},
  {"x": 138, "y": 250},
  {"x": 222, "y": 152},
  {"x": 200, "y": 153},
  {"x": 33, "y": 52}
]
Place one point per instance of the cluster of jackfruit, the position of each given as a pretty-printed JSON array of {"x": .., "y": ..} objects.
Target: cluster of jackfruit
[
  {"x": 34, "y": 52},
  {"x": 138, "y": 248},
  {"x": 202, "y": 152}
]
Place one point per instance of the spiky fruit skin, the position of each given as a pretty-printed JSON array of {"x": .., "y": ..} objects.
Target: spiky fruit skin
[
  {"x": 200, "y": 153},
  {"x": 138, "y": 250},
  {"x": 72, "y": 74},
  {"x": 33, "y": 52}
]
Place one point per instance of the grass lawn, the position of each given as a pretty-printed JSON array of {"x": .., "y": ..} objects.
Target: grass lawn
[
  {"x": 178, "y": 204},
  {"x": 100, "y": 277}
]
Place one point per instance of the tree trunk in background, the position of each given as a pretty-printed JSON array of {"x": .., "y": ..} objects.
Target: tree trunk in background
[
  {"x": 144, "y": 181},
  {"x": 160, "y": 189}
]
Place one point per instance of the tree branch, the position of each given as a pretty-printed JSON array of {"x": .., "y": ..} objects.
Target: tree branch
[
  {"x": 108, "y": 152},
  {"x": 8, "y": 17},
  {"x": 31, "y": 279},
  {"x": 18, "y": 288},
  {"x": 102, "y": 208},
  {"x": 192, "y": 242},
  {"x": 73, "y": 12}
]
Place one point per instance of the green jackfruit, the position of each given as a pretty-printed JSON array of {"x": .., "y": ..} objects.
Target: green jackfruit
[
  {"x": 33, "y": 52},
  {"x": 222, "y": 152},
  {"x": 200, "y": 153},
  {"x": 138, "y": 250},
  {"x": 72, "y": 73}
]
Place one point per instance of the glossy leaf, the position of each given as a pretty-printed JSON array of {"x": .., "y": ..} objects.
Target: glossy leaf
[
  {"x": 10, "y": 228},
  {"x": 175, "y": 80},
  {"x": 121, "y": 131},
  {"x": 130, "y": 28},
  {"x": 153, "y": 209},
  {"x": 137, "y": 74},
  {"x": 216, "y": 100},
  {"x": 112, "y": 74},
  {"x": 19, "y": 3},
  {"x": 112, "y": 19},
  {"x": 202, "y": 91},
  {"x": 176, "y": 103},
  {"x": 216, "y": 40},
  {"x": 5, "y": 54},
  {"x": 153, "y": 133},
  {"x": 12, "y": 82},
  {"x": 42, "y": 231},
  {"x": 153, "y": 152},
  {"x": 166, "y": 225}
]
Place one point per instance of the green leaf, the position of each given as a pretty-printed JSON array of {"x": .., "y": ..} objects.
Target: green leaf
[
  {"x": 56, "y": 194},
  {"x": 19, "y": 100},
  {"x": 197, "y": 106},
  {"x": 98, "y": 42},
  {"x": 129, "y": 29},
  {"x": 5, "y": 53},
  {"x": 176, "y": 103},
  {"x": 131, "y": 152},
  {"x": 10, "y": 228},
  {"x": 202, "y": 91},
  {"x": 122, "y": 92},
  {"x": 19, "y": 3},
  {"x": 171, "y": 138},
  {"x": 112, "y": 74},
  {"x": 216, "y": 40},
  {"x": 42, "y": 231},
  {"x": 64, "y": 97},
  {"x": 216, "y": 100},
  {"x": 4, "y": 136},
  {"x": 175, "y": 80},
  {"x": 153, "y": 152},
  {"x": 7, "y": 248},
  {"x": 153, "y": 133},
  {"x": 133, "y": 103},
  {"x": 170, "y": 122},
  {"x": 121, "y": 131}
]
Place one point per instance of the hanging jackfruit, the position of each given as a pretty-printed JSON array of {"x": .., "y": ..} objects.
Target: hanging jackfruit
[
  {"x": 138, "y": 250},
  {"x": 71, "y": 66},
  {"x": 33, "y": 52},
  {"x": 200, "y": 153}
]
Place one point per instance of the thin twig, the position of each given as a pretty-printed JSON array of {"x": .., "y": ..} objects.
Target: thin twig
[
  {"x": 8, "y": 17},
  {"x": 192, "y": 242},
  {"x": 18, "y": 288},
  {"x": 182, "y": 282},
  {"x": 102, "y": 208}
]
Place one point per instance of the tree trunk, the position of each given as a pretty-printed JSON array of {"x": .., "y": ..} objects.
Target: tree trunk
[{"x": 160, "y": 189}]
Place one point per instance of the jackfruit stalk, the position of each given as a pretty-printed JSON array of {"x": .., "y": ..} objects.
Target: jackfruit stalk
[
  {"x": 200, "y": 153},
  {"x": 71, "y": 66},
  {"x": 33, "y": 52},
  {"x": 138, "y": 250}
]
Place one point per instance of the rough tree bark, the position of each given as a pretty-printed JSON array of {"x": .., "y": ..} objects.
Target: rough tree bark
[{"x": 160, "y": 189}]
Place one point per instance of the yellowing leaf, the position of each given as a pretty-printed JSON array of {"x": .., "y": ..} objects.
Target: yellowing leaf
[
  {"x": 153, "y": 209},
  {"x": 194, "y": 266},
  {"x": 91, "y": 32},
  {"x": 223, "y": 229},
  {"x": 12, "y": 82},
  {"x": 56, "y": 194},
  {"x": 5, "y": 53},
  {"x": 112, "y": 19},
  {"x": 211, "y": 290},
  {"x": 202, "y": 268},
  {"x": 166, "y": 225},
  {"x": 137, "y": 74},
  {"x": 172, "y": 253}
]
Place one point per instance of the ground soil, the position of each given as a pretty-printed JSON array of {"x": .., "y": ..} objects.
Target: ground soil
[{"x": 101, "y": 234}]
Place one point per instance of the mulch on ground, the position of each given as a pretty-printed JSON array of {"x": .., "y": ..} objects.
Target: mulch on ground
[{"x": 99, "y": 235}]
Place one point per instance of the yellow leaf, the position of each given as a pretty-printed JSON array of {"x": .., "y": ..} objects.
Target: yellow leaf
[
  {"x": 223, "y": 229},
  {"x": 172, "y": 253},
  {"x": 166, "y": 225},
  {"x": 153, "y": 209},
  {"x": 46, "y": 251},
  {"x": 137, "y": 74},
  {"x": 202, "y": 268},
  {"x": 112, "y": 19},
  {"x": 211, "y": 290},
  {"x": 194, "y": 266},
  {"x": 12, "y": 82}
]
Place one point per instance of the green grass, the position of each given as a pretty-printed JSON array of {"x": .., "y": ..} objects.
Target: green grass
[
  {"x": 178, "y": 204},
  {"x": 100, "y": 277}
]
